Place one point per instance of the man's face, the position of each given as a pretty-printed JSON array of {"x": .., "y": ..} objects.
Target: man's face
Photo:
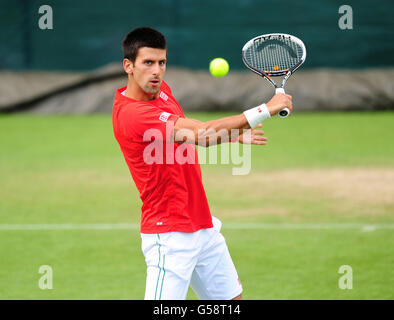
[{"x": 149, "y": 68}]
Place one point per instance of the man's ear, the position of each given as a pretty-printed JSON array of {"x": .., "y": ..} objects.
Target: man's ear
[{"x": 128, "y": 66}]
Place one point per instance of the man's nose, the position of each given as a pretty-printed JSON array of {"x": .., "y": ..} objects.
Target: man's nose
[{"x": 156, "y": 69}]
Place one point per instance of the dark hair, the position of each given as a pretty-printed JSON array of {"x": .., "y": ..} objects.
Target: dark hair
[{"x": 142, "y": 37}]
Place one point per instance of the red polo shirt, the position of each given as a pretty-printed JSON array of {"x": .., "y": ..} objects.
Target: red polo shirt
[{"x": 167, "y": 174}]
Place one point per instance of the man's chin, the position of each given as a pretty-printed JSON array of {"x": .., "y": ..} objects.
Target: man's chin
[{"x": 152, "y": 90}]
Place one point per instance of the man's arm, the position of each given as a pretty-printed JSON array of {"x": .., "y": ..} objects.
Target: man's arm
[{"x": 217, "y": 131}]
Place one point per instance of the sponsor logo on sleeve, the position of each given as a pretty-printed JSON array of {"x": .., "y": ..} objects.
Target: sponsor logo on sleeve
[{"x": 163, "y": 96}]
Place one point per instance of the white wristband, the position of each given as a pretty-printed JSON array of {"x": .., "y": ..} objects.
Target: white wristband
[{"x": 257, "y": 115}]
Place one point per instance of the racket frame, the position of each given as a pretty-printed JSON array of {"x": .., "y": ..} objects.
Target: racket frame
[{"x": 286, "y": 73}]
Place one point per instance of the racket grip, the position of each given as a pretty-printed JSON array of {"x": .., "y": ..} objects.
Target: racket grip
[{"x": 284, "y": 113}]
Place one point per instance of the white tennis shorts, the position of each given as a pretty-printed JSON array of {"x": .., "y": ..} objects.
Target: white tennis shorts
[{"x": 200, "y": 259}]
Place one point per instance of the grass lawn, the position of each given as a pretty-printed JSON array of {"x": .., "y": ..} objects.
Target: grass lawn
[{"x": 323, "y": 175}]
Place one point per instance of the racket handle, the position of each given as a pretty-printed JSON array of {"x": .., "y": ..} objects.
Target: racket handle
[{"x": 284, "y": 112}]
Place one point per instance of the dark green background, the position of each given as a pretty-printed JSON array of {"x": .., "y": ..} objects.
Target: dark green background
[{"x": 87, "y": 34}]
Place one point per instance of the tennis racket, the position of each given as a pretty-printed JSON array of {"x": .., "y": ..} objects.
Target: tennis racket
[{"x": 274, "y": 55}]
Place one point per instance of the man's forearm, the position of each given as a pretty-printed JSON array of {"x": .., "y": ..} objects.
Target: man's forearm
[{"x": 221, "y": 130}]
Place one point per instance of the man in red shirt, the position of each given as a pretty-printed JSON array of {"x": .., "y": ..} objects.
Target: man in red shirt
[{"x": 181, "y": 240}]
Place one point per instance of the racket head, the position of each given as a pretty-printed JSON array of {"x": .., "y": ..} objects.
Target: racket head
[{"x": 274, "y": 54}]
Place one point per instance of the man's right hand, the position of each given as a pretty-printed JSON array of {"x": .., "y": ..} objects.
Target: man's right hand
[{"x": 279, "y": 102}]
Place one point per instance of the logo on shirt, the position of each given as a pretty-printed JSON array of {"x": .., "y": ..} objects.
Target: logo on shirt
[
  {"x": 164, "y": 116},
  {"x": 163, "y": 96}
]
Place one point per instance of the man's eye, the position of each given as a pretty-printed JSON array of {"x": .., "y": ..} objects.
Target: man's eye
[
  {"x": 162, "y": 63},
  {"x": 148, "y": 62}
]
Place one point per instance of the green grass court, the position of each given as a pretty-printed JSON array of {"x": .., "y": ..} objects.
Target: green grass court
[{"x": 319, "y": 195}]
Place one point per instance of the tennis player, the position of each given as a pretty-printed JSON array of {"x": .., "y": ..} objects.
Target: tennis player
[{"x": 181, "y": 240}]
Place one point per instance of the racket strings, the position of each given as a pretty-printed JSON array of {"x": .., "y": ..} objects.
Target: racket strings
[{"x": 276, "y": 55}]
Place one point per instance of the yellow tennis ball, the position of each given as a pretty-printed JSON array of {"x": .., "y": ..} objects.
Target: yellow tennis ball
[{"x": 219, "y": 67}]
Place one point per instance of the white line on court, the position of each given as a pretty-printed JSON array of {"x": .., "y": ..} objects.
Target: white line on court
[
  {"x": 309, "y": 226},
  {"x": 71, "y": 226},
  {"x": 228, "y": 225}
]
